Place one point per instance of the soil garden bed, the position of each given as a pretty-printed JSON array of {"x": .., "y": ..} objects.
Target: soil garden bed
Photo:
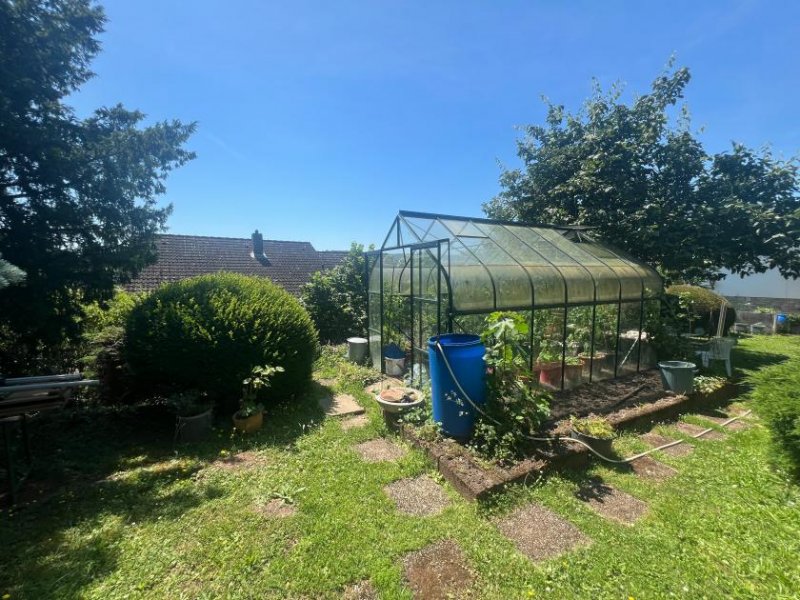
[{"x": 636, "y": 402}]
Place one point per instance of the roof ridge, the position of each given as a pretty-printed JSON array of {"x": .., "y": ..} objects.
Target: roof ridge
[{"x": 218, "y": 237}]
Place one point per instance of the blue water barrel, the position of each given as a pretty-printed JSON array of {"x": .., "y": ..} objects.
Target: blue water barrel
[{"x": 465, "y": 354}]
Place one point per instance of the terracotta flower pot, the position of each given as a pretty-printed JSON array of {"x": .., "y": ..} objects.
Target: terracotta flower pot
[{"x": 248, "y": 424}]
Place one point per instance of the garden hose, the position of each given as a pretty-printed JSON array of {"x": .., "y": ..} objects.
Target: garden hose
[{"x": 573, "y": 440}]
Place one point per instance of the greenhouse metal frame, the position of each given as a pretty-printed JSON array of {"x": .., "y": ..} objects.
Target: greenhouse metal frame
[{"x": 437, "y": 273}]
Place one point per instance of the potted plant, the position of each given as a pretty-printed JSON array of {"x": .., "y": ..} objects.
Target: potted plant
[
  {"x": 193, "y": 415},
  {"x": 573, "y": 370},
  {"x": 595, "y": 431},
  {"x": 250, "y": 416},
  {"x": 548, "y": 363},
  {"x": 396, "y": 402}
]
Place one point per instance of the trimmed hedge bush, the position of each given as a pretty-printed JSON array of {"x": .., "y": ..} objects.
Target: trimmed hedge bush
[
  {"x": 208, "y": 333},
  {"x": 702, "y": 307}
]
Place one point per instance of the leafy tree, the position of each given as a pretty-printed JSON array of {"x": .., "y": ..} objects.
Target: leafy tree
[
  {"x": 9, "y": 274},
  {"x": 337, "y": 299},
  {"x": 77, "y": 195},
  {"x": 638, "y": 175}
]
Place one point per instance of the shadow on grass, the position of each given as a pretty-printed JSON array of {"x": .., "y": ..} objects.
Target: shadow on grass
[
  {"x": 751, "y": 360},
  {"x": 99, "y": 471}
]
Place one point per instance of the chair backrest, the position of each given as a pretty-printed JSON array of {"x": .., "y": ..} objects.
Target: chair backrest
[{"x": 721, "y": 348}]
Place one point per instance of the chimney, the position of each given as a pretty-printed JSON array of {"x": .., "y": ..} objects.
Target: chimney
[{"x": 258, "y": 248}]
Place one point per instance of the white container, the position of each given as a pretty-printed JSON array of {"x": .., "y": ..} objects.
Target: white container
[
  {"x": 395, "y": 366},
  {"x": 357, "y": 348}
]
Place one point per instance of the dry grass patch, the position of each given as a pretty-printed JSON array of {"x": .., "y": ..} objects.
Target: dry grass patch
[
  {"x": 277, "y": 508},
  {"x": 243, "y": 460}
]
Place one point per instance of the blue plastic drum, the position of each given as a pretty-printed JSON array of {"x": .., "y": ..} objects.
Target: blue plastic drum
[{"x": 465, "y": 355}]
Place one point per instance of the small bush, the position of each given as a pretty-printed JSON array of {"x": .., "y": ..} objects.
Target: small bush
[
  {"x": 102, "y": 341},
  {"x": 209, "y": 332},
  {"x": 336, "y": 300},
  {"x": 701, "y": 307}
]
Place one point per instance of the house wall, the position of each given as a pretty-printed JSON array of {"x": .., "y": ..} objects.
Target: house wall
[{"x": 769, "y": 290}]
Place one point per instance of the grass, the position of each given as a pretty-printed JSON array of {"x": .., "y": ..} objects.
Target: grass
[{"x": 135, "y": 517}]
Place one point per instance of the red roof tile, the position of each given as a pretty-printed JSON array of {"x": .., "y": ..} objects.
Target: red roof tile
[{"x": 289, "y": 264}]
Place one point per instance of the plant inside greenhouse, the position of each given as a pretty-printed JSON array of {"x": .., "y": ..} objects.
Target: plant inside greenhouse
[{"x": 590, "y": 311}]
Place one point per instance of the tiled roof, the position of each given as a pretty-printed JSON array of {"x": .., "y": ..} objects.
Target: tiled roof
[{"x": 289, "y": 264}]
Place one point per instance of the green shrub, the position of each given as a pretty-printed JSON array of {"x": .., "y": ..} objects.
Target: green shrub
[
  {"x": 700, "y": 307},
  {"x": 209, "y": 332},
  {"x": 336, "y": 300},
  {"x": 102, "y": 345}
]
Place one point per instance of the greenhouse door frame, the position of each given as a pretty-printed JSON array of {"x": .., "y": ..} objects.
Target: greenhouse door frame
[{"x": 435, "y": 251}]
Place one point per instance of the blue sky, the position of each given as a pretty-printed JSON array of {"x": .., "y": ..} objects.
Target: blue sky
[{"x": 319, "y": 120}]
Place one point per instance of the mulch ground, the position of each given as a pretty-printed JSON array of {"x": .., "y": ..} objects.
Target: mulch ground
[
  {"x": 651, "y": 469},
  {"x": 603, "y": 397},
  {"x": 419, "y": 496},
  {"x": 277, "y": 508},
  {"x": 655, "y": 439},
  {"x": 380, "y": 450},
  {"x": 539, "y": 533},
  {"x": 611, "y": 503},
  {"x": 438, "y": 572}
]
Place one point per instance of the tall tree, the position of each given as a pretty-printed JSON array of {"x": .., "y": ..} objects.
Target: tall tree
[
  {"x": 643, "y": 180},
  {"x": 78, "y": 196}
]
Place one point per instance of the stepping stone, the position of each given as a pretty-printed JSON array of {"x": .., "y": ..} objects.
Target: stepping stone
[
  {"x": 352, "y": 422},
  {"x": 363, "y": 590},
  {"x": 655, "y": 440},
  {"x": 611, "y": 503},
  {"x": 340, "y": 405},
  {"x": 693, "y": 430},
  {"x": 418, "y": 496},
  {"x": 380, "y": 450},
  {"x": 738, "y": 425},
  {"x": 438, "y": 572},
  {"x": 649, "y": 468},
  {"x": 539, "y": 533},
  {"x": 327, "y": 382},
  {"x": 277, "y": 508}
]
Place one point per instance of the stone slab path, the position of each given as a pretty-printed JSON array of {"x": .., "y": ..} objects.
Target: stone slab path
[
  {"x": 418, "y": 496},
  {"x": 380, "y": 450},
  {"x": 693, "y": 430},
  {"x": 611, "y": 503},
  {"x": 340, "y": 405},
  {"x": 651, "y": 469},
  {"x": 654, "y": 439},
  {"x": 539, "y": 533},
  {"x": 438, "y": 572}
]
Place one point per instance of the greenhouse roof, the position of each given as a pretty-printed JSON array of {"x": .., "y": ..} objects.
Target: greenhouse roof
[{"x": 501, "y": 265}]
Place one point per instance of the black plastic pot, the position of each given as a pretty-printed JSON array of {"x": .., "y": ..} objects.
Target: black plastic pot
[
  {"x": 599, "y": 445},
  {"x": 194, "y": 428}
]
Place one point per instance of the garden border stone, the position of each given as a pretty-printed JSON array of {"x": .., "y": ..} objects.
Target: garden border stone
[{"x": 475, "y": 480}]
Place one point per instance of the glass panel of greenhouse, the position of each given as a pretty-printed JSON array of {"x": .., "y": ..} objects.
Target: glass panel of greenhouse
[{"x": 588, "y": 304}]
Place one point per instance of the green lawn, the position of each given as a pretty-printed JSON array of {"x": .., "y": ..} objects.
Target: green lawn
[{"x": 139, "y": 519}]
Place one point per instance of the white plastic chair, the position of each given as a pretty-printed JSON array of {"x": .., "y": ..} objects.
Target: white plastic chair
[{"x": 719, "y": 349}]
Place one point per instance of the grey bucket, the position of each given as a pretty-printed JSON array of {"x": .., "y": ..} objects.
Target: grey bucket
[
  {"x": 357, "y": 348},
  {"x": 677, "y": 376}
]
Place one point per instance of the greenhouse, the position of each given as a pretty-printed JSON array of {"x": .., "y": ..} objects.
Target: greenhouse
[{"x": 588, "y": 306}]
